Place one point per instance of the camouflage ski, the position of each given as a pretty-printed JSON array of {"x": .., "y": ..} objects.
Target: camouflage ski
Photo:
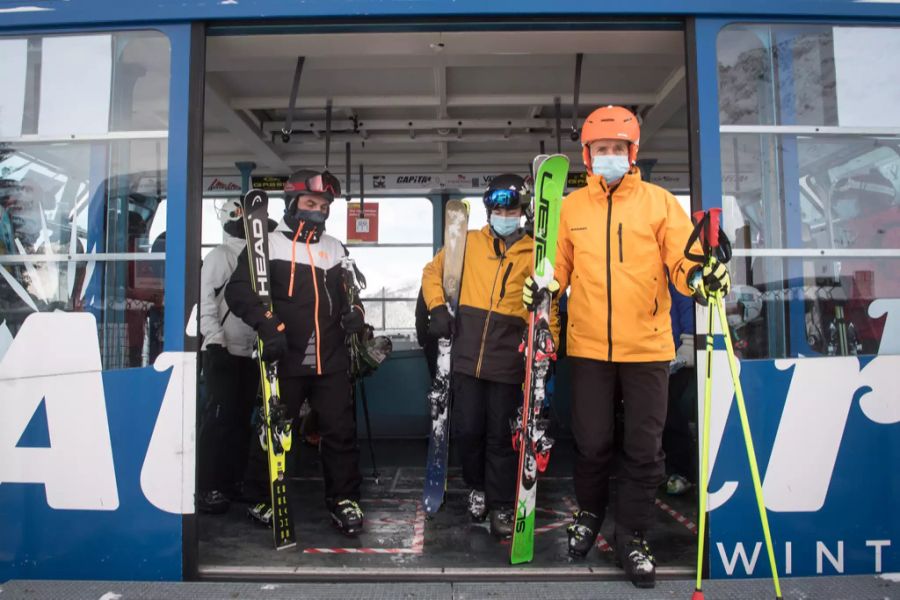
[{"x": 456, "y": 222}]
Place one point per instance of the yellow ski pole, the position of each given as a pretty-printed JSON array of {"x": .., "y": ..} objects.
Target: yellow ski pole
[
  {"x": 704, "y": 455},
  {"x": 707, "y": 231},
  {"x": 748, "y": 438}
]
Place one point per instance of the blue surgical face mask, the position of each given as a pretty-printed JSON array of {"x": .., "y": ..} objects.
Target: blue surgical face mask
[
  {"x": 504, "y": 226},
  {"x": 611, "y": 167}
]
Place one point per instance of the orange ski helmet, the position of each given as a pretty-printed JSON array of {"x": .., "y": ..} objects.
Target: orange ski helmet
[{"x": 610, "y": 123}]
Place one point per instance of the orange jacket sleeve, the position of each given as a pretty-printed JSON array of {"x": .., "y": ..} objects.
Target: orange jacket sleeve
[
  {"x": 433, "y": 281},
  {"x": 554, "y": 318},
  {"x": 564, "y": 253},
  {"x": 674, "y": 238}
]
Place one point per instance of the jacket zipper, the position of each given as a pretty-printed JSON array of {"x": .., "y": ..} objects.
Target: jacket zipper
[
  {"x": 327, "y": 293},
  {"x": 621, "y": 257},
  {"x": 503, "y": 283},
  {"x": 294, "y": 259},
  {"x": 487, "y": 320},
  {"x": 312, "y": 268},
  {"x": 609, "y": 274}
]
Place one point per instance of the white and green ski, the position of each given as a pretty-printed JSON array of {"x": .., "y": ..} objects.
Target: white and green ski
[{"x": 531, "y": 437}]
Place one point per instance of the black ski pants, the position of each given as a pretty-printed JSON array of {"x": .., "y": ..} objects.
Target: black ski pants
[
  {"x": 644, "y": 387},
  {"x": 332, "y": 404},
  {"x": 678, "y": 441},
  {"x": 224, "y": 435},
  {"x": 482, "y": 435}
]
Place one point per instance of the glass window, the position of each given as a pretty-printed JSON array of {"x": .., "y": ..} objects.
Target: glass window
[
  {"x": 212, "y": 233},
  {"x": 810, "y": 154},
  {"x": 81, "y": 184},
  {"x": 808, "y": 75},
  {"x": 811, "y": 307},
  {"x": 745, "y": 76},
  {"x": 839, "y": 186},
  {"x": 392, "y": 266}
]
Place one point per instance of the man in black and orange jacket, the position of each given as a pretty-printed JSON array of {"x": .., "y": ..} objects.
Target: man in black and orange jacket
[
  {"x": 618, "y": 237},
  {"x": 488, "y": 369},
  {"x": 305, "y": 332}
]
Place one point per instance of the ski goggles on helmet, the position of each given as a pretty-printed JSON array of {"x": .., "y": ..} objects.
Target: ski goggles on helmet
[
  {"x": 504, "y": 198},
  {"x": 323, "y": 183}
]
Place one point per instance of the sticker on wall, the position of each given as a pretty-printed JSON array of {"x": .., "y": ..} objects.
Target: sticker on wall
[
  {"x": 222, "y": 184},
  {"x": 268, "y": 183},
  {"x": 362, "y": 226}
]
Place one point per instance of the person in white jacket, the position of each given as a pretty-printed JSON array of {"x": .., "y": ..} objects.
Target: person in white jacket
[{"x": 231, "y": 374}]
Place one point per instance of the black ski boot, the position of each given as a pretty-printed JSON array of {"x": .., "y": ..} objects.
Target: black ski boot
[
  {"x": 261, "y": 513},
  {"x": 634, "y": 555},
  {"x": 213, "y": 502},
  {"x": 502, "y": 522},
  {"x": 347, "y": 517},
  {"x": 583, "y": 533},
  {"x": 476, "y": 506}
]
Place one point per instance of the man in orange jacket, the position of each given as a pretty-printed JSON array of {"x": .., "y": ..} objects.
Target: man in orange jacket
[
  {"x": 618, "y": 237},
  {"x": 488, "y": 369}
]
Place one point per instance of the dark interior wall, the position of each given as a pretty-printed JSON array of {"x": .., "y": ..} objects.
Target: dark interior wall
[{"x": 398, "y": 408}]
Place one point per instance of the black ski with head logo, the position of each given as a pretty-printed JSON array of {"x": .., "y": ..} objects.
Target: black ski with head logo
[{"x": 275, "y": 433}]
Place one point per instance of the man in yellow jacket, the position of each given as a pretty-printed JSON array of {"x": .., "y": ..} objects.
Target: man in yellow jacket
[
  {"x": 621, "y": 240},
  {"x": 488, "y": 369}
]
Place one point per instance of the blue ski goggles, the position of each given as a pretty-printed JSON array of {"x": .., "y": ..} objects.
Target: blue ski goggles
[{"x": 504, "y": 198}]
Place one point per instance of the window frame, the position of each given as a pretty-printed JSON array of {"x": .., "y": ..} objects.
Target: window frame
[
  {"x": 179, "y": 39},
  {"x": 711, "y": 132}
]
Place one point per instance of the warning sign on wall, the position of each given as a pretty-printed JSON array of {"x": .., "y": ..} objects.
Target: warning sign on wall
[
  {"x": 362, "y": 227},
  {"x": 268, "y": 183}
]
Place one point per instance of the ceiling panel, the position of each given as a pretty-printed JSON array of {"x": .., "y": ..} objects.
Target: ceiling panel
[{"x": 501, "y": 85}]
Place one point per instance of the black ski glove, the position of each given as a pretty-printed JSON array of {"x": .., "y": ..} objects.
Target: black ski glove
[
  {"x": 441, "y": 323},
  {"x": 353, "y": 321},
  {"x": 271, "y": 332},
  {"x": 530, "y": 291},
  {"x": 214, "y": 356},
  {"x": 217, "y": 353}
]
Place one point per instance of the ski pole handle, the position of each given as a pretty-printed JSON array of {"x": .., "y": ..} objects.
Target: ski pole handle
[
  {"x": 713, "y": 241},
  {"x": 709, "y": 221}
]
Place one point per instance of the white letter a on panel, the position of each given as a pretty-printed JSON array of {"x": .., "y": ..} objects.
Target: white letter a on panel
[{"x": 77, "y": 469}]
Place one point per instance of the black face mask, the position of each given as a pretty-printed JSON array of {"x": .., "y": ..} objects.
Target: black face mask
[
  {"x": 310, "y": 222},
  {"x": 234, "y": 229}
]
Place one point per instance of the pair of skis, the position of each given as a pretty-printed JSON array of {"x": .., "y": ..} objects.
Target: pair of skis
[
  {"x": 530, "y": 436},
  {"x": 276, "y": 424}
]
